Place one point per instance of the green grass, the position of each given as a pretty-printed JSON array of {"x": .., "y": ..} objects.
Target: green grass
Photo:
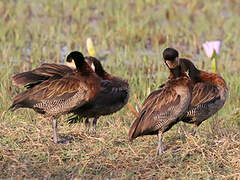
[{"x": 132, "y": 34}]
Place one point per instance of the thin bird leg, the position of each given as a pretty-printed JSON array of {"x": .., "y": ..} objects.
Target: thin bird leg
[
  {"x": 194, "y": 130},
  {"x": 55, "y": 135},
  {"x": 160, "y": 146},
  {"x": 87, "y": 125},
  {"x": 94, "y": 125},
  {"x": 182, "y": 131}
]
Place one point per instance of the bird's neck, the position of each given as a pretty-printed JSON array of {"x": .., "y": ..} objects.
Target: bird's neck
[
  {"x": 176, "y": 72},
  {"x": 84, "y": 69}
]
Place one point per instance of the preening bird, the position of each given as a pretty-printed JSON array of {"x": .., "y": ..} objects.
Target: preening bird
[
  {"x": 113, "y": 95},
  {"x": 52, "y": 93},
  {"x": 209, "y": 93},
  {"x": 164, "y": 107}
]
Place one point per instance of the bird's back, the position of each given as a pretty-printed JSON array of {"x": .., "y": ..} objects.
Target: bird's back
[
  {"x": 113, "y": 95},
  {"x": 207, "y": 99},
  {"x": 59, "y": 95},
  {"x": 162, "y": 108}
]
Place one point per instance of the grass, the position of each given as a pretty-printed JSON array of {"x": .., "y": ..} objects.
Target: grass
[{"x": 130, "y": 36}]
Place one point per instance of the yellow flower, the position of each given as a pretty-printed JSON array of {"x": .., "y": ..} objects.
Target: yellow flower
[{"x": 90, "y": 47}]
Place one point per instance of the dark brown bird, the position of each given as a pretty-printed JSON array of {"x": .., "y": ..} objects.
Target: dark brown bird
[
  {"x": 59, "y": 94},
  {"x": 113, "y": 95},
  {"x": 163, "y": 108},
  {"x": 208, "y": 97}
]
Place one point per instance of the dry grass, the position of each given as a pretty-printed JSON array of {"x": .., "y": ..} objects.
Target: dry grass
[{"x": 28, "y": 152}]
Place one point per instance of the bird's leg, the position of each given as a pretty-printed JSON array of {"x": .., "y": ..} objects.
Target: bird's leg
[
  {"x": 87, "y": 125},
  {"x": 55, "y": 134},
  {"x": 183, "y": 131},
  {"x": 194, "y": 130},
  {"x": 94, "y": 125},
  {"x": 56, "y": 138},
  {"x": 160, "y": 146}
]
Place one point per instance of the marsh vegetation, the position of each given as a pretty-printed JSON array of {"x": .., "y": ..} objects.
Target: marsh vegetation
[{"x": 129, "y": 37}]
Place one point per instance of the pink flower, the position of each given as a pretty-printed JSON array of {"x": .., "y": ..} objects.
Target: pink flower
[{"x": 210, "y": 46}]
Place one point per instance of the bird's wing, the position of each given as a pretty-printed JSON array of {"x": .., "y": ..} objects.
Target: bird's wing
[
  {"x": 203, "y": 93},
  {"x": 40, "y": 74},
  {"x": 55, "y": 91},
  {"x": 161, "y": 108},
  {"x": 112, "y": 93}
]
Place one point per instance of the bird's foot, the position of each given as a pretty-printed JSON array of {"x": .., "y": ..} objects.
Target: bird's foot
[
  {"x": 94, "y": 131},
  {"x": 160, "y": 152},
  {"x": 63, "y": 140}
]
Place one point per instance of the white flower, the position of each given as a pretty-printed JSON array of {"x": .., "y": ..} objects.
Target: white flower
[{"x": 210, "y": 46}]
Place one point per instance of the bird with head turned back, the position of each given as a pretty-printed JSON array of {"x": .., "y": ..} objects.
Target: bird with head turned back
[
  {"x": 112, "y": 97},
  {"x": 164, "y": 107},
  {"x": 209, "y": 93},
  {"x": 57, "y": 93}
]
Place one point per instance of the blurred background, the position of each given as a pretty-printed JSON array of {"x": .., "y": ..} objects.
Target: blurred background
[{"x": 129, "y": 37}]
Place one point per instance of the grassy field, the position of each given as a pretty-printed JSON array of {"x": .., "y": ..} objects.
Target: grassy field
[{"x": 129, "y": 37}]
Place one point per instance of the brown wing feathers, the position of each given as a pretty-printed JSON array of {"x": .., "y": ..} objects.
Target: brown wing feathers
[
  {"x": 158, "y": 111},
  {"x": 203, "y": 92},
  {"x": 164, "y": 107},
  {"x": 113, "y": 94},
  {"x": 58, "y": 90},
  {"x": 209, "y": 94},
  {"x": 36, "y": 76},
  {"x": 65, "y": 90}
]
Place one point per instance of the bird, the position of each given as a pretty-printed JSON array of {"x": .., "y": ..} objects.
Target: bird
[
  {"x": 209, "y": 93},
  {"x": 92, "y": 53},
  {"x": 163, "y": 107},
  {"x": 59, "y": 94},
  {"x": 113, "y": 96}
]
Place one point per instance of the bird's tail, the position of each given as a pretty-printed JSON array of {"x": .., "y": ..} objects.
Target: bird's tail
[
  {"x": 132, "y": 130},
  {"x": 13, "y": 107},
  {"x": 21, "y": 101}
]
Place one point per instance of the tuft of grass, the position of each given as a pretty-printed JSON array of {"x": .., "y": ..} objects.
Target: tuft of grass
[{"x": 129, "y": 37}]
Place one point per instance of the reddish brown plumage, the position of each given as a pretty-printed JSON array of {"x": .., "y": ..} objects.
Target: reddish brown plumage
[
  {"x": 208, "y": 97},
  {"x": 209, "y": 94},
  {"x": 55, "y": 92},
  {"x": 112, "y": 97},
  {"x": 163, "y": 108},
  {"x": 61, "y": 88},
  {"x": 212, "y": 78},
  {"x": 40, "y": 74}
]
